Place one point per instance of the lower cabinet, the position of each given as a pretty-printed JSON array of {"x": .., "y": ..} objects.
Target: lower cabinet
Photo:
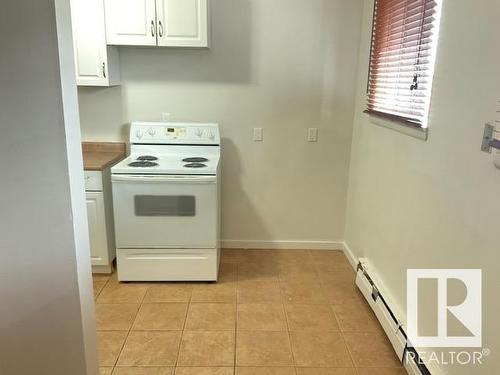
[
  {"x": 100, "y": 221},
  {"x": 97, "y": 228}
]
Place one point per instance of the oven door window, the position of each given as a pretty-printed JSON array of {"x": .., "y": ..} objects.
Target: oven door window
[{"x": 165, "y": 205}]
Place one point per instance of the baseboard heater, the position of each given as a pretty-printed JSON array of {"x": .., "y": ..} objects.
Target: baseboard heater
[{"x": 388, "y": 319}]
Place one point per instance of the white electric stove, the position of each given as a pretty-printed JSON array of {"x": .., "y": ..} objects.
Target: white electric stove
[{"x": 166, "y": 203}]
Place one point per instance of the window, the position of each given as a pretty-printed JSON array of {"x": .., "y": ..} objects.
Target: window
[
  {"x": 165, "y": 205},
  {"x": 404, "y": 38}
]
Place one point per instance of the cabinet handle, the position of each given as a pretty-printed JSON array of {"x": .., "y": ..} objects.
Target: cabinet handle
[
  {"x": 104, "y": 69},
  {"x": 160, "y": 29},
  {"x": 152, "y": 28}
]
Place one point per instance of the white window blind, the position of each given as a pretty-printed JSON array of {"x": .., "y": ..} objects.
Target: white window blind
[{"x": 402, "y": 55}]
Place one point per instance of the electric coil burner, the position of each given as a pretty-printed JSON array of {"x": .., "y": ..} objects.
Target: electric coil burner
[
  {"x": 195, "y": 160},
  {"x": 166, "y": 203},
  {"x": 147, "y": 158},
  {"x": 142, "y": 164},
  {"x": 195, "y": 165}
]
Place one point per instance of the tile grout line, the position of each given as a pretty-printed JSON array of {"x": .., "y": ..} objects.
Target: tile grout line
[
  {"x": 330, "y": 305},
  {"x": 130, "y": 330},
  {"x": 95, "y": 306},
  {"x": 100, "y": 291},
  {"x": 350, "y": 354},
  {"x": 188, "y": 307},
  {"x": 123, "y": 345},
  {"x": 289, "y": 333},
  {"x": 323, "y": 291},
  {"x": 288, "y": 326},
  {"x": 236, "y": 320}
]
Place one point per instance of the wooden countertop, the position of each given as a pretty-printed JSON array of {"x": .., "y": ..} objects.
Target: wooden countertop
[{"x": 98, "y": 156}]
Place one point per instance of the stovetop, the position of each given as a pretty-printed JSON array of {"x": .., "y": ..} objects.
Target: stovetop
[
  {"x": 176, "y": 163},
  {"x": 172, "y": 148}
]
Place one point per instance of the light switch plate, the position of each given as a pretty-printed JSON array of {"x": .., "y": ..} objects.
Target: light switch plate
[
  {"x": 489, "y": 130},
  {"x": 312, "y": 135},
  {"x": 258, "y": 134}
]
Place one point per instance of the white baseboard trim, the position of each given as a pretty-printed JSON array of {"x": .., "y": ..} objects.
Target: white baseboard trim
[
  {"x": 282, "y": 244},
  {"x": 353, "y": 259}
]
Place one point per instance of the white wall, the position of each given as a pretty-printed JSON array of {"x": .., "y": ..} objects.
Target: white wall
[
  {"x": 284, "y": 65},
  {"x": 45, "y": 282},
  {"x": 435, "y": 204}
]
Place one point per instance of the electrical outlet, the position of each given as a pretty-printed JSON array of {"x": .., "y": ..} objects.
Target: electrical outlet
[
  {"x": 312, "y": 135},
  {"x": 258, "y": 134},
  {"x": 165, "y": 117}
]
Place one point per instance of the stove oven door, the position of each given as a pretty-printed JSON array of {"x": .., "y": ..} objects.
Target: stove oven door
[{"x": 165, "y": 211}]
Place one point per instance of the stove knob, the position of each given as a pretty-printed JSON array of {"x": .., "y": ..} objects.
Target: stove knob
[
  {"x": 199, "y": 132},
  {"x": 152, "y": 132},
  {"x": 139, "y": 134},
  {"x": 211, "y": 136}
]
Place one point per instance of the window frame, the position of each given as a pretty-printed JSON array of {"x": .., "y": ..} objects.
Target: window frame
[{"x": 392, "y": 121}]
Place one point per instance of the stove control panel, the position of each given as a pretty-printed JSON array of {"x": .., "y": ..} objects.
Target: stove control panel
[{"x": 174, "y": 133}]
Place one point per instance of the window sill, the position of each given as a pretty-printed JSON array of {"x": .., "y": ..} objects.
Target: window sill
[{"x": 411, "y": 131}]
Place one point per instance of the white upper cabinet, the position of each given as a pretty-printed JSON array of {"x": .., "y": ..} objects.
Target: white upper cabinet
[
  {"x": 170, "y": 23},
  {"x": 96, "y": 64},
  {"x": 131, "y": 22},
  {"x": 182, "y": 23}
]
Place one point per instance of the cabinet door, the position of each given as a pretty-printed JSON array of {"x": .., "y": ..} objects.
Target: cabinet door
[
  {"x": 97, "y": 228},
  {"x": 131, "y": 22},
  {"x": 182, "y": 23},
  {"x": 89, "y": 39}
]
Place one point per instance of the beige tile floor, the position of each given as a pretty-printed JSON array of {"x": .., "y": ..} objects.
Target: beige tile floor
[{"x": 273, "y": 312}]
